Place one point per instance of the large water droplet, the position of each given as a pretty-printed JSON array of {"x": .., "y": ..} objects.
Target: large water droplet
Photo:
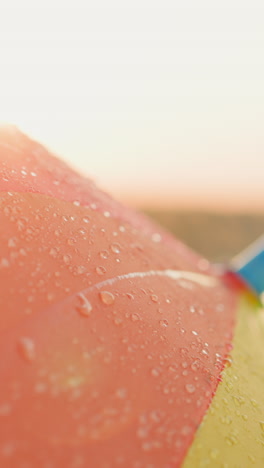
[
  {"x": 164, "y": 323},
  {"x": 104, "y": 254},
  {"x": 154, "y": 298},
  {"x": 107, "y": 297},
  {"x": 195, "y": 365},
  {"x": 85, "y": 307},
  {"x": 71, "y": 241},
  {"x": 190, "y": 388},
  {"x": 116, "y": 248},
  {"x": 100, "y": 270},
  {"x": 118, "y": 321},
  {"x": 12, "y": 242},
  {"x": 135, "y": 317},
  {"x": 66, "y": 258},
  {"x": 53, "y": 252}
]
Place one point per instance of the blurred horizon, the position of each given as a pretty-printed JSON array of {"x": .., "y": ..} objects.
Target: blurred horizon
[{"x": 161, "y": 102}]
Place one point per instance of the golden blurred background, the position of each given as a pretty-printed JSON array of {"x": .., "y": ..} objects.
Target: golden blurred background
[
  {"x": 217, "y": 236},
  {"x": 160, "y": 101}
]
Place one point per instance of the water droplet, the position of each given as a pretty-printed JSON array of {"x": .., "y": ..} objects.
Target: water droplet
[
  {"x": 4, "y": 263},
  {"x": 195, "y": 365},
  {"x": 76, "y": 203},
  {"x": 50, "y": 296},
  {"x": 192, "y": 309},
  {"x": 231, "y": 439},
  {"x": 26, "y": 347},
  {"x": 104, "y": 254},
  {"x": 86, "y": 219},
  {"x": 40, "y": 387},
  {"x": 261, "y": 423},
  {"x": 107, "y": 214},
  {"x": 71, "y": 241},
  {"x": 85, "y": 307},
  {"x": 129, "y": 296},
  {"x": 107, "y": 297},
  {"x": 254, "y": 403},
  {"x": 135, "y": 317},
  {"x": 8, "y": 449},
  {"x": 66, "y": 258},
  {"x": 118, "y": 321},
  {"x": 155, "y": 372},
  {"x": 12, "y": 242},
  {"x": 238, "y": 400},
  {"x": 190, "y": 388},
  {"x": 7, "y": 210},
  {"x": 154, "y": 298},
  {"x": 184, "y": 352},
  {"x": 194, "y": 333},
  {"x": 186, "y": 430},
  {"x": 228, "y": 361},
  {"x": 121, "y": 393},
  {"x": 53, "y": 252},
  {"x": 116, "y": 248},
  {"x": 80, "y": 270},
  {"x": 164, "y": 323},
  {"x": 142, "y": 432},
  {"x": 100, "y": 270},
  {"x": 214, "y": 453}
]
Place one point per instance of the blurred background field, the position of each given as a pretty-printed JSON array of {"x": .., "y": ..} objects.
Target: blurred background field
[
  {"x": 160, "y": 101},
  {"x": 217, "y": 236}
]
